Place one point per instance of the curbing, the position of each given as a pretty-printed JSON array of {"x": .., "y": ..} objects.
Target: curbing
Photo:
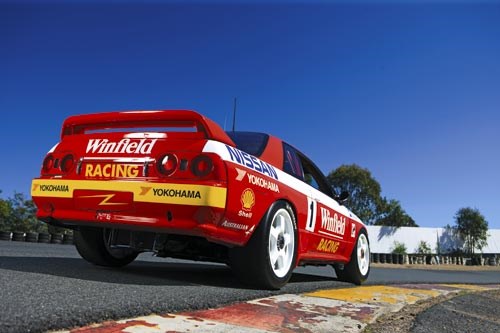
[{"x": 335, "y": 310}]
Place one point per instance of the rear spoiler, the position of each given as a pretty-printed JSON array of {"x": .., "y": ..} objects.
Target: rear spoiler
[{"x": 139, "y": 119}]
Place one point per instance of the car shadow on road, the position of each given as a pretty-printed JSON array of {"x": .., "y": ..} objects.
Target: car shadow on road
[{"x": 143, "y": 272}]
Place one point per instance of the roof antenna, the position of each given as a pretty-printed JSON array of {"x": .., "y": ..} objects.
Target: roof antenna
[{"x": 234, "y": 114}]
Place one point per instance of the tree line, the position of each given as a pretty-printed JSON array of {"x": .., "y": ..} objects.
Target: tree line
[
  {"x": 371, "y": 207},
  {"x": 17, "y": 213}
]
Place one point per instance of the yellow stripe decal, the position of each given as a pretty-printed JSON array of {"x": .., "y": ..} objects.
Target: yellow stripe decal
[{"x": 182, "y": 194}]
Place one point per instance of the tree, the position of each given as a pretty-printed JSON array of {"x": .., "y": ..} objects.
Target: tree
[
  {"x": 364, "y": 191},
  {"x": 392, "y": 214},
  {"x": 365, "y": 199},
  {"x": 472, "y": 228},
  {"x": 22, "y": 215},
  {"x": 5, "y": 211}
]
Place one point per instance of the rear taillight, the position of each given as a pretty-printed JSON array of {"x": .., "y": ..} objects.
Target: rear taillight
[
  {"x": 67, "y": 163},
  {"x": 167, "y": 164},
  {"x": 186, "y": 166},
  {"x": 202, "y": 166},
  {"x": 48, "y": 163},
  {"x": 57, "y": 164}
]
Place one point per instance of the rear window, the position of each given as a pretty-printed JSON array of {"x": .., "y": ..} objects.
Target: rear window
[{"x": 250, "y": 142}]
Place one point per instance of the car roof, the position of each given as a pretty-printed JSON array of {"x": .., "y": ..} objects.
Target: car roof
[{"x": 262, "y": 145}]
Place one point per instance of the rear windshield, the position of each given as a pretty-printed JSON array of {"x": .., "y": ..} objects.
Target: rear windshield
[{"x": 250, "y": 142}]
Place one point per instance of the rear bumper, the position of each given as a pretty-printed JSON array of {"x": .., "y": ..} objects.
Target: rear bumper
[{"x": 189, "y": 209}]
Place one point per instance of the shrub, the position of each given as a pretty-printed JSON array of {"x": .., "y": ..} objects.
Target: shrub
[
  {"x": 398, "y": 248},
  {"x": 423, "y": 248}
]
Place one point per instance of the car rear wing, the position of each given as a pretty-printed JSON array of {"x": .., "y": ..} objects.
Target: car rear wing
[{"x": 180, "y": 119}]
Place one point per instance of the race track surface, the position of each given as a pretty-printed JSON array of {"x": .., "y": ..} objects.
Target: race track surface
[{"x": 47, "y": 286}]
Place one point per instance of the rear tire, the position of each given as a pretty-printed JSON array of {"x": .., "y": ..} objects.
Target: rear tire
[
  {"x": 358, "y": 269},
  {"x": 91, "y": 244},
  {"x": 268, "y": 259}
]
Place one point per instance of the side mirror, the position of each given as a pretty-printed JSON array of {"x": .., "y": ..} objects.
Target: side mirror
[{"x": 342, "y": 197}]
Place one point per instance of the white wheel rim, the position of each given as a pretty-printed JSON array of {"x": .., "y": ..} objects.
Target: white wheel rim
[
  {"x": 363, "y": 253},
  {"x": 281, "y": 243}
]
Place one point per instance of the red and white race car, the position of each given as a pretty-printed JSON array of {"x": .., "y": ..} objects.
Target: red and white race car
[{"x": 173, "y": 182}]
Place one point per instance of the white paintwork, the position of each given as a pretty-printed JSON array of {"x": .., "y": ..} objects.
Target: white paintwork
[{"x": 284, "y": 178}]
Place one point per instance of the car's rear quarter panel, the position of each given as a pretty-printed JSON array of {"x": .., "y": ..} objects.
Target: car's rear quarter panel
[{"x": 269, "y": 187}]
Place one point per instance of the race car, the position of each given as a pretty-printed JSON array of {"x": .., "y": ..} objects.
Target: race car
[{"x": 174, "y": 183}]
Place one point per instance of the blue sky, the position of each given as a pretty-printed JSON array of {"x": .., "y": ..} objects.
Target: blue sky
[{"x": 409, "y": 90}]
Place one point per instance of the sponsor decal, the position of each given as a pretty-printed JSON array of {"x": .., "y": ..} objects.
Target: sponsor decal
[
  {"x": 241, "y": 174},
  {"x": 256, "y": 180},
  {"x": 247, "y": 202},
  {"x": 111, "y": 170},
  {"x": 244, "y": 214},
  {"x": 327, "y": 245},
  {"x": 335, "y": 224},
  {"x": 247, "y": 199},
  {"x": 51, "y": 188},
  {"x": 145, "y": 190},
  {"x": 138, "y": 191},
  {"x": 251, "y": 162},
  {"x": 163, "y": 192},
  {"x": 128, "y": 146},
  {"x": 233, "y": 225},
  {"x": 105, "y": 199},
  {"x": 353, "y": 230}
]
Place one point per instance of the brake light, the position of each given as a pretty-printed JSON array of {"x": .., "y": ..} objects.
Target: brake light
[
  {"x": 167, "y": 164},
  {"x": 48, "y": 163},
  {"x": 67, "y": 163},
  {"x": 202, "y": 165},
  {"x": 186, "y": 165}
]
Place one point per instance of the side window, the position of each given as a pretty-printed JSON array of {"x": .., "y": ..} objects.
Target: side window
[
  {"x": 309, "y": 179},
  {"x": 291, "y": 162},
  {"x": 314, "y": 177}
]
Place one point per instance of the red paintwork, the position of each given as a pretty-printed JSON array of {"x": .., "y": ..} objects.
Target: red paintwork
[{"x": 111, "y": 205}]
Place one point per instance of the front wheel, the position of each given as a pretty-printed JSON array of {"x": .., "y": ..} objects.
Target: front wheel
[
  {"x": 92, "y": 245},
  {"x": 358, "y": 268},
  {"x": 269, "y": 257}
]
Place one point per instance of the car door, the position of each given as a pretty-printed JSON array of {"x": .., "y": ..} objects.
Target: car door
[{"x": 327, "y": 219}]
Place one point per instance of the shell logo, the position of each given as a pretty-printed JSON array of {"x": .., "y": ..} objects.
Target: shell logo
[{"x": 247, "y": 199}]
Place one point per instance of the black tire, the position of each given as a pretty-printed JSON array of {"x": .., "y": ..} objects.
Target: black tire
[
  {"x": 358, "y": 268},
  {"x": 32, "y": 237},
  {"x": 56, "y": 238},
  {"x": 43, "y": 237},
  {"x": 91, "y": 245},
  {"x": 68, "y": 239},
  {"x": 276, "y": 233},
  {"x": 18, "y": 236},
  {"x": 5, "y": 235}
]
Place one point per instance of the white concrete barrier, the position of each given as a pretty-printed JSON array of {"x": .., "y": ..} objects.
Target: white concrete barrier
[{"x": 382, "y": 239}]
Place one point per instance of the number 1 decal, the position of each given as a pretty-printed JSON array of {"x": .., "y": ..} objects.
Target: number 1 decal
[{"x": 312, "y": 208}]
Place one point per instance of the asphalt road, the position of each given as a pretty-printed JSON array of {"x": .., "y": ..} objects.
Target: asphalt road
[
  {"x": 477, "y": 312},
  {"x": 47, "y": 286}
]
